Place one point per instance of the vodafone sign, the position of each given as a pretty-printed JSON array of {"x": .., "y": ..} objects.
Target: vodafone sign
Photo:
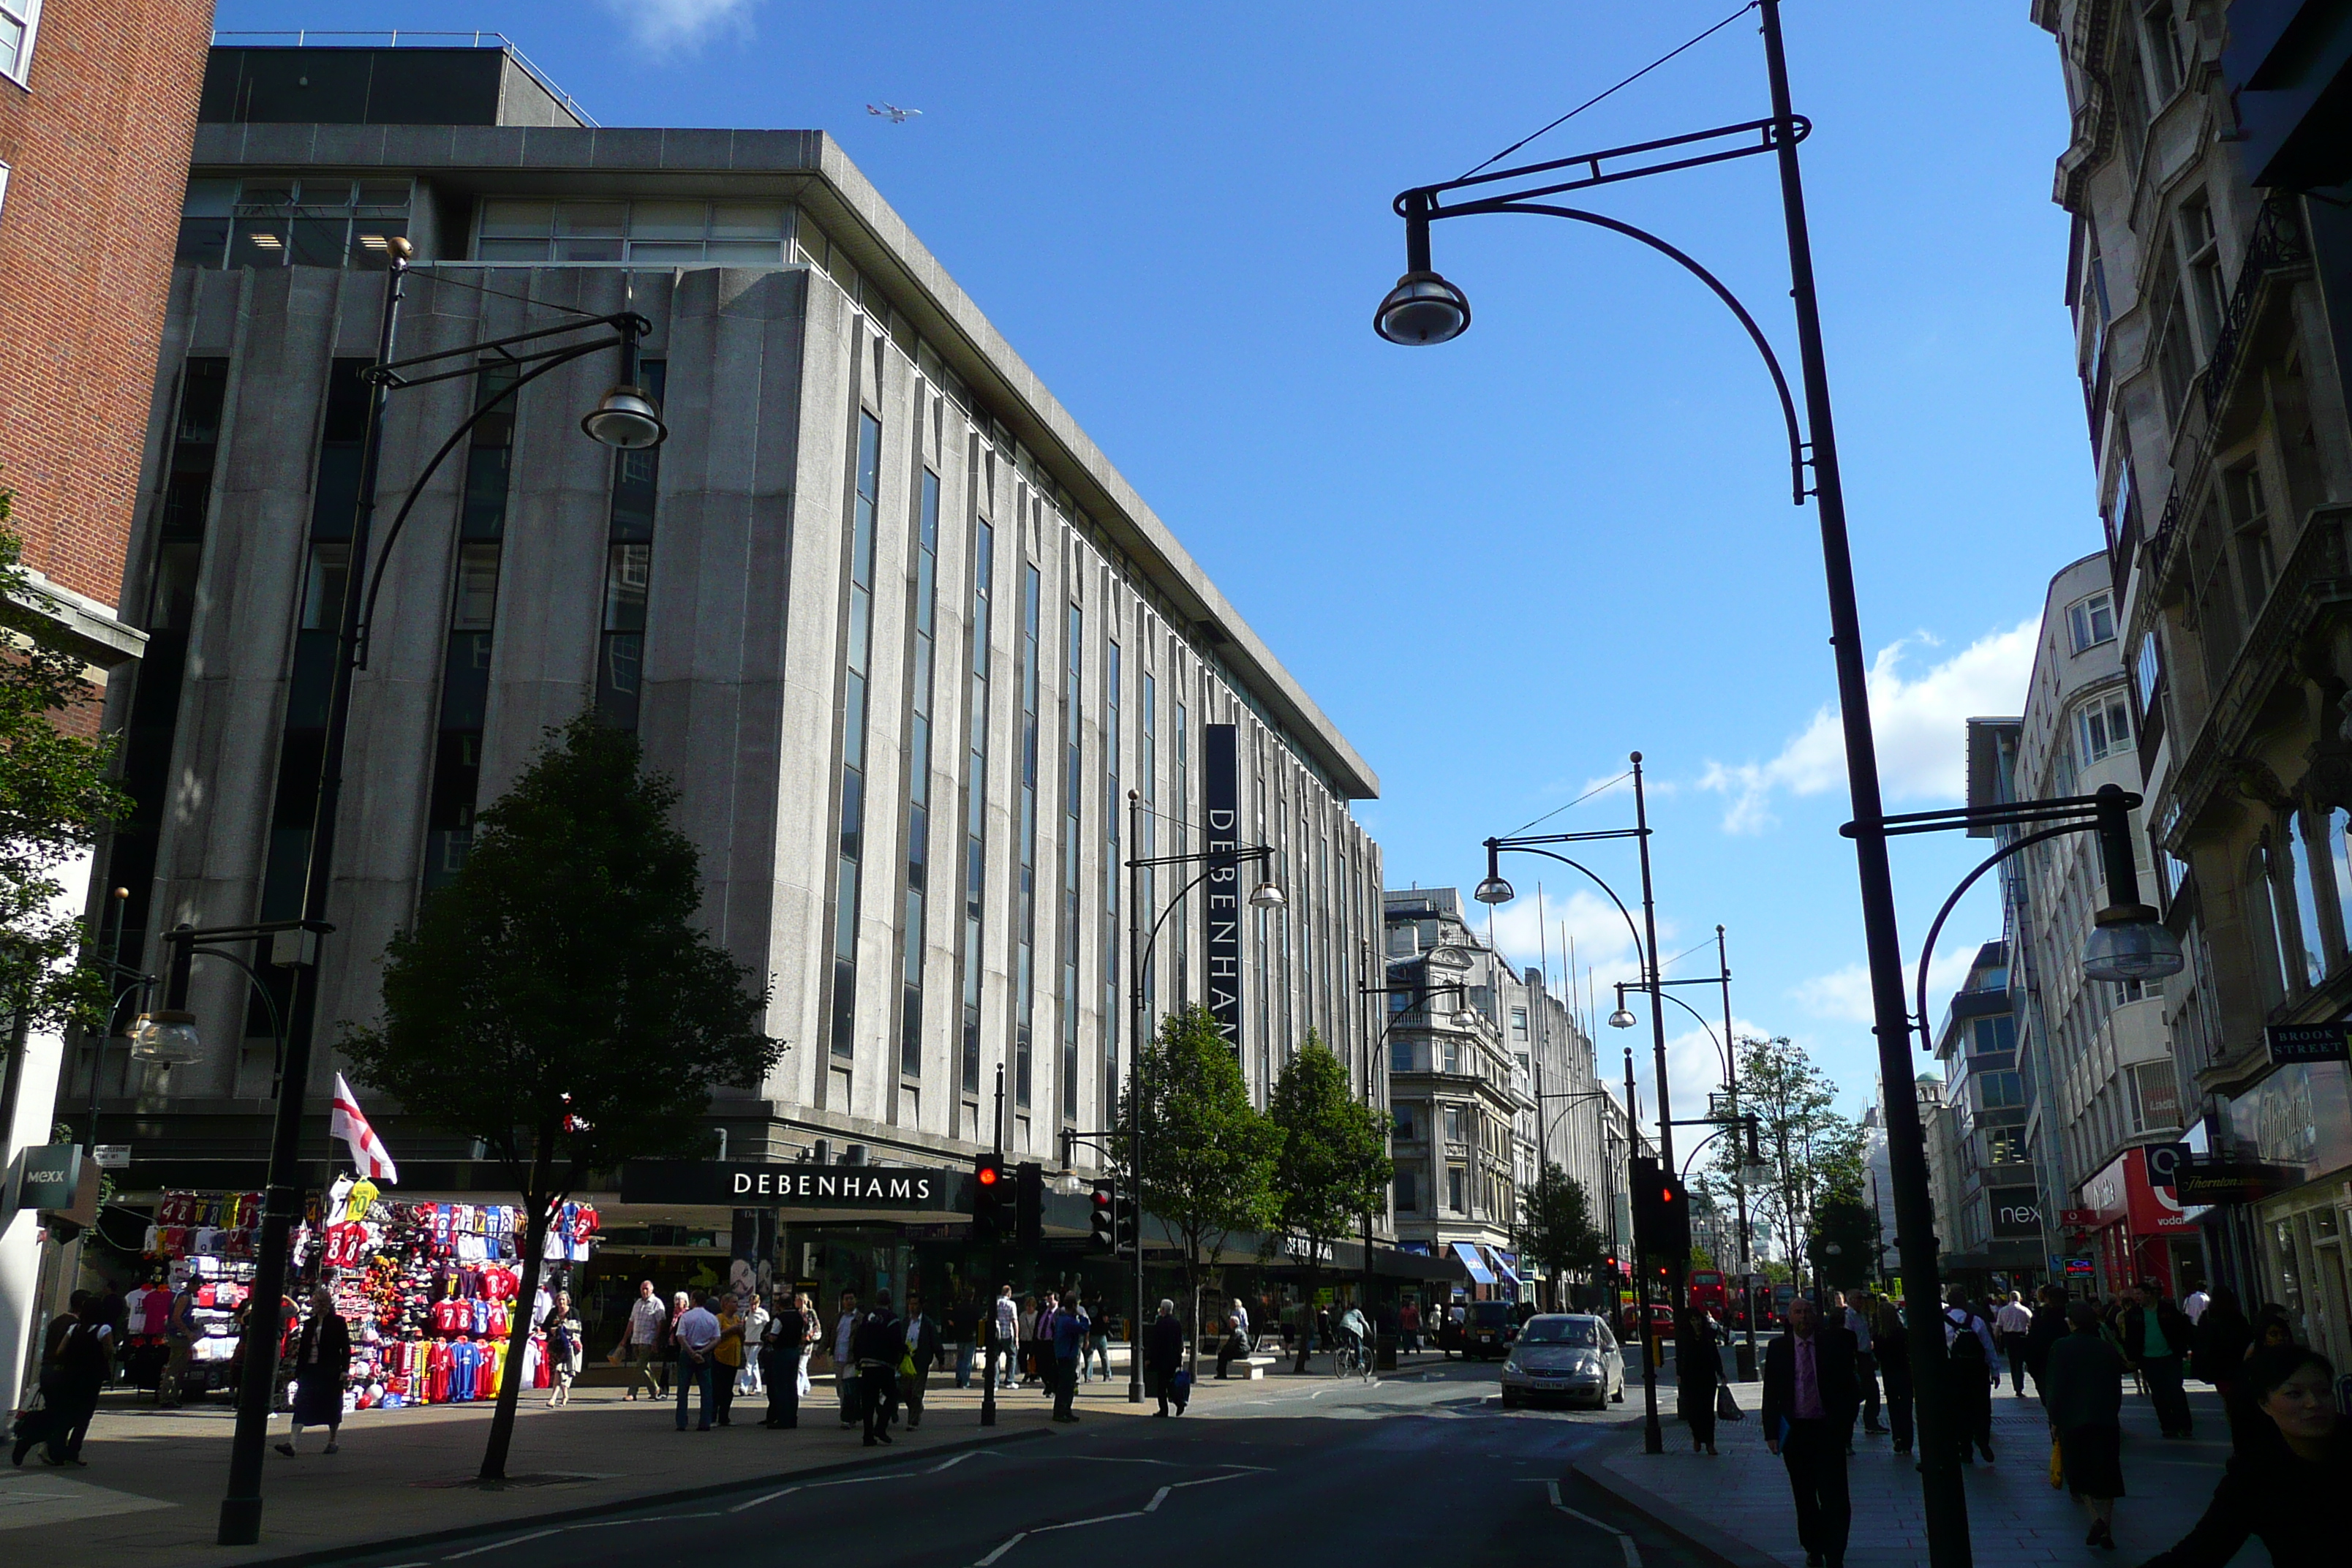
[{"x": 2121, "y": 1194}]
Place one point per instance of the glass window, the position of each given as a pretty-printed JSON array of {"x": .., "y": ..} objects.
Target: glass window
[
  {"x": 18, "y": 20},
  {"x": 1583, "y": 1332},
  {"x": 323, "y": 591},
  {"x": 663, "y": 233},
  {"x": 2307, "y": 900},
  {"x": 258, "y": 242},
  {"x": 2092, "y": 621},
  {"x": 668, "y": 220},
  {"x": 1402, "y": 1118},
  {"x": 524, "y": 219},
  {"x": 1408, "y": 1191},
  {"x": 478, "y": 588}
]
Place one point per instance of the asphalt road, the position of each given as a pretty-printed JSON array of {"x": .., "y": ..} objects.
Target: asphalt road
[{"x": 1424, "y": 1467}]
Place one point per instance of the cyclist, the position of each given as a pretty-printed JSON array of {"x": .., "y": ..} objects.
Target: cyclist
[{"x": 1356, "y": 1335}]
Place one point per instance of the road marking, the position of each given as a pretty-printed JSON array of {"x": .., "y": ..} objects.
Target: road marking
[
  {"x": 1116, "y": 1459},
  {"x": 767, "y": 1497},
  {"x": 1624, "y": 1542},
  {"x": 1098, "y": 1519},
  {"x": 991, "y": 1557},
  {"x": 513, "y": 1540},
  {"x": 1157, "y": 1498},
  {"x": 950, "y": 1462}
]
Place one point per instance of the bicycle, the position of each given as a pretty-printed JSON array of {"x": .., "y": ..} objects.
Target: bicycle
[{"x": 1349, "y": 1361}]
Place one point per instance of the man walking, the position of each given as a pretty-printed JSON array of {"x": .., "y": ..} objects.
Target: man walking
[
  {"x": 1971, "y": 1366},
  {"x": 1097, "y": 1340},
  {"x": 1069, "y": 1346},
  {"x": 2156, "y": 1334},
  {"x": 1163, "y": 1357},
  {"x": 698, "y": 1346},
  {"x": 923, "y": 1350},
  {"x": 845, "y": 1360},
  {"x": 780, "y": 1348},
  {"x": 2013, "y": 1327},
  {"x": 877, "y": 1345},
  {"x": 1809, "y": 1400},
  {"x": 1004, "y": 1347},
  {"x": 1860, "y": 1315},
  {"x": 641, "y": 1341}
]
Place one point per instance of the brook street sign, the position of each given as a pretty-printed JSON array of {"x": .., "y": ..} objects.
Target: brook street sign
[
  {"x": 2309, "y": 1042},
  {"x": 741, "y": 1184}
]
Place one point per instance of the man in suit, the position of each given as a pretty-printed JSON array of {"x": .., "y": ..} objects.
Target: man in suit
[
  {"x": 878, "y": 1342},
  {"x": 1811, "y": 1397},
  {"x": 920, "y": 1334}
]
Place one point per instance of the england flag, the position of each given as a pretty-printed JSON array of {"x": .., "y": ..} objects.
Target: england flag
[{"x": 351, "y": 1125}]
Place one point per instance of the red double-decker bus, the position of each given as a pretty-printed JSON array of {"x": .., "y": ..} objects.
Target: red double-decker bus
[{"x": 1707, "y": 1292}]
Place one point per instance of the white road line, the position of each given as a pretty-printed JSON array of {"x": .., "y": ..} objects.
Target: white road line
[
  {"x": 1157, "y": 1498},
  {"x": 863, "y": 1480},
  {"x": 493, "y": 1546},
  {"x": 1230, "y": 1465},
  {"x": 950, "y": 1462},
  {"x": 991, "y": 1557},
  {"x": 1209, "y": 1480},
  {"x": 1098, "y": 1519},
  {"x": 766, "y": 1496},
  {"x": 1624, "y": 1542},
  {"x": 1117, "y": 1459}
]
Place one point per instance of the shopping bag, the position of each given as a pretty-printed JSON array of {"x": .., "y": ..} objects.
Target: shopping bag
[
  {"x": 1726, "y": 1408},
  {"x": 2057, "y": 1465}
]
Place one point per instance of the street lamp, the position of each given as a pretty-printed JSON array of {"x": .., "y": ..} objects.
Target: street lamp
[
  {"x": 166, "y": 1037},
  {"x": 626, "y": 419},
  {"x": 1429, "y": 316}
]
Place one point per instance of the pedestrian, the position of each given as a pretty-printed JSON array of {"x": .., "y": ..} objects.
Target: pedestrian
[
  {"x": 1232, "y": 1345},
  {"x": 2083, "y": 1389},
  {"x": 2216, "y": 1354},
  {"x": 753, "y": 1378},
  {"x": 923, "y": 1351},
  {"x": 1809, "y": 1400},
  {"x": 323, "y": 1358},
  {"x": 644, "y": 1342},
  {"x": 2156, "y": 1337},
  {"x": 1097, "y": 1337},
  {"x": 845, "y": 1360},
  {"x": 876, "y": 1347},
  {"x": 1031, "y": 1371},
  {"x": 697, "y": 1334},
  {"x": 1241, "y": 1315},
  {"x": 2272, "y": 1329},
  {"x": 2048, "y": 1328},
  {"x": 1861, "y": 1316},
  {"x": 1697, "y": 1365},
  {"x": 1892, "y": 1349},
  {"x": 2012, "y": 1329},
  {"x": 2193, "y": 1305},
  {"x": 74, "y": 1364},
  {"x": 2290, "y": 1485},
  {"x": 782, "y": 1342},
  {"x": 1163, "y": 1360},
  {"x": 1069, "y": 1347},
  {"x": 180, "y": 1333},
  {"x": 1409, "y": 1327},
  {"x": 726, "y": 1359},
  {"x": 679, "y": 1305},
  {"x": 562, "y": 1327},
  {"x": 1004, "y": 1336},
  {"x": 1972, "y": 1364},
  {"x": 963, "y": 1329}
]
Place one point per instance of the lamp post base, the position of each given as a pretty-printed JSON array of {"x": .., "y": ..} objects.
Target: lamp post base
[{"x": 240, "y": 1521}]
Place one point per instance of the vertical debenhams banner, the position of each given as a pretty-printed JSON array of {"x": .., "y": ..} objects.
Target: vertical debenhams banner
[{"x": 1221, "y": 920}]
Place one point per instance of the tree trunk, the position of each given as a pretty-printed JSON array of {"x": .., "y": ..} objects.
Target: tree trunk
[
  {"x": 1306, "y": 1311},
  {"x": 538, "y": 1201}
]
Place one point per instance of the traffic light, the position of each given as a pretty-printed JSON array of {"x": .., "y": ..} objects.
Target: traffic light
[
  {"x": 1128, "y": 1225},
  {"x": 988, "y": 1198},
  {"x": 1028, "y": 1204},
  {"x": 1661, "y": 1211},
  {"x": 1102, "y": 1222}
]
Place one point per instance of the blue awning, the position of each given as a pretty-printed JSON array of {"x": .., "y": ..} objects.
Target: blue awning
[
  {"x": 1507, "y": 1264},
  {"x": 1468, "y": 1253}
]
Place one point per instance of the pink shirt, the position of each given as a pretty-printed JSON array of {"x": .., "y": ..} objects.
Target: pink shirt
[{"x": 1807, "y": 1405}]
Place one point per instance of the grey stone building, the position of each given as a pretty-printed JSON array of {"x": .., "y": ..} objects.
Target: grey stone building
[{"x": 900, "y": 633}]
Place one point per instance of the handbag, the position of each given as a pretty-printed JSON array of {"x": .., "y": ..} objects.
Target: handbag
[
  {"x": 1726, "y": 1408},
  {"x": 2057, "y": 1465}
]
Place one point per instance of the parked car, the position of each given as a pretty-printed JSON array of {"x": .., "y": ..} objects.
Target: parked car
[
  {"x": 1570, "y": 1357},
  {"x": 1662, "y": 1317}
]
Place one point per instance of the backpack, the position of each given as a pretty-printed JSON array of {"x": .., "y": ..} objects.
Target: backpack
[{"x": 1966, "y": 1347}]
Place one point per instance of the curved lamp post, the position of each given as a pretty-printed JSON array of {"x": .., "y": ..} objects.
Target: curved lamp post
[
  {"x": 626, "y": 419},
  {"x": 1425, "y": 307}
]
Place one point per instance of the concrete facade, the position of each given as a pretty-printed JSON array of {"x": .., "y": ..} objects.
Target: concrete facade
[{"x": 901, "y": 634}]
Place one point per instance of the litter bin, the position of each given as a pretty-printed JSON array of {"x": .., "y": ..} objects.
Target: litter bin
[
  {"x": 1747, "y": 1361},
  {"x": 1384, "y": 1349}
]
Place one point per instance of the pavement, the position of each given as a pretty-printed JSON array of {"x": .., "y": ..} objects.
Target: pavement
[{"x": 1737, "y": 1507}]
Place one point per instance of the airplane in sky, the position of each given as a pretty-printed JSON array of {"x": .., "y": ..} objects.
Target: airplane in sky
[{"x": 898, "y": 116}]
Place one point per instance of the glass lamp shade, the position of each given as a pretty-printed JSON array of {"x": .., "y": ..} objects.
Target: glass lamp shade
[
  {"x": 1465, "y": 1019},
  {"x": 627, "y": 418},
  {"x": 1755, "y": 1176},
  {"x": 1267, "y": 896},
  {"x": 1423, "y": 309},
  {"x": 1494, "y": 890},
  {"x": 1620, "y": 1019},
  {"x": 2130, "y": 944},
  {"x": 167, "y": 1038}
]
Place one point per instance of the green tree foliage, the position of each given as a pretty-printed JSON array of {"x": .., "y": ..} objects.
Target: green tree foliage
[
  {"x": 557, "y": 1000},
  {"x": 1208, "y": 1156},
  {"x": 55, "y": 800},
  {"x": 1334, "y": 1160},
  {"x": 1812, "y": 1151},
  {"x": 1557, "y": 1229}
]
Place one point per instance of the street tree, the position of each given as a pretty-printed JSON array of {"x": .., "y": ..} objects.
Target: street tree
[
  {"x": 1333, "y": 1163},
  {"x": 1809, "y": 1147},
  {"x": 1557, "y": 1229},
  {"x": 1208, "y": 1155},
  {"x": 557, "y": 1000},
  {"x": 55, "y": 800}
]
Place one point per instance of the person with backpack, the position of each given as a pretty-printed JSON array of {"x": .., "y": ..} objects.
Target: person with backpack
[
  {"x": 73, "y": 1371},
  {"x": 1973, "y": 1361}
]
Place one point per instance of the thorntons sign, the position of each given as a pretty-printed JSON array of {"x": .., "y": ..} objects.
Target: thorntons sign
[{"x": 751, "y": 1186}]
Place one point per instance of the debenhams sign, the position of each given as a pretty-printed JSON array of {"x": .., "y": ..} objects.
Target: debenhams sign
[{"x": 751, "y": 1185}]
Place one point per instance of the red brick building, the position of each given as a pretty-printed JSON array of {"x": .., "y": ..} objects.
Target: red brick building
[{"x": 98, "y": 110}]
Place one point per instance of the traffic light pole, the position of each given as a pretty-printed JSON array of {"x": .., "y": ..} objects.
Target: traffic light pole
[{"x": 1654, "y": 1436}]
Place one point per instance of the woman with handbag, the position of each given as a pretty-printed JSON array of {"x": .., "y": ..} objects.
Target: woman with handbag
[
  {"x": 1696, "y": 1366},
  {"x": 562, "y": 1327}
]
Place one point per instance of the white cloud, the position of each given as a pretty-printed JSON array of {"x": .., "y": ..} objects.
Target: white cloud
[
  {"x": 1920, "y": 726},
  {"x": 1603, "y": 942},
  {"x": 667, "y": 26},
  {"x": 1845, "y": 994}
]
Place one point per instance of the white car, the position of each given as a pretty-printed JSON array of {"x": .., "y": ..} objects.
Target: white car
[{"x": 1567, "y": 1356}]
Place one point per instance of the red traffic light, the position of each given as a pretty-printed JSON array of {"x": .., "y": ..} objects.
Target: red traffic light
[{"x": 989, "y": 1176}]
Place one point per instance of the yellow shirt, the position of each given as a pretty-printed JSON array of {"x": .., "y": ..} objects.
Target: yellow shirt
[{"x": 729, "y": 1348}]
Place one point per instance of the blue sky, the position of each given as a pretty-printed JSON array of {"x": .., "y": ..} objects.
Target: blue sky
[{"x": 1501, "y": 564}]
